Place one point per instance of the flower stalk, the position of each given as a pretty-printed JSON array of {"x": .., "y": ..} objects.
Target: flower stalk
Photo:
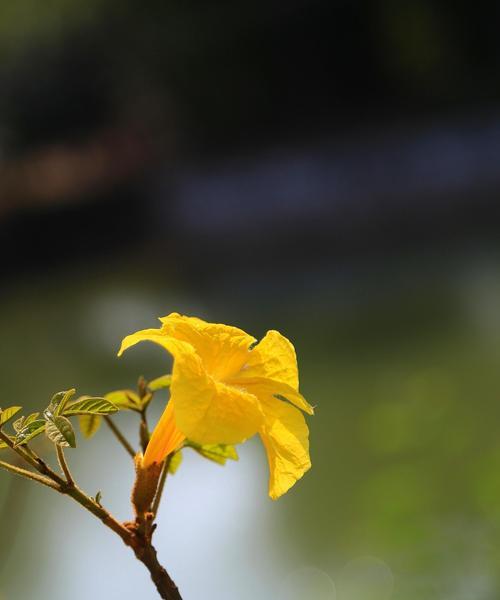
[{"x": 161, "y": 485}]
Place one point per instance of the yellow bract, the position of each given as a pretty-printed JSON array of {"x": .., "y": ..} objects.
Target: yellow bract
[{"x": 224, "y": 390}]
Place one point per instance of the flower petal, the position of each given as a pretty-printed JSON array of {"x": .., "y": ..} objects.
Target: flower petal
[
  {"x": 176, "y": 347},
  {"x": 286, "y": 439},
  {"x": 210, "y": 412},
  {"x": 223, "y": 349},
  {"x": 206, "y": 411},
  {"x": 166, "y": 438},
  {"x": 274, "y": 357},
  {"x": 264, "y": 388}
]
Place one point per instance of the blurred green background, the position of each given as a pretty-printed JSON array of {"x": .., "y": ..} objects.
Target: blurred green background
[{"x": 326, "y": 169}]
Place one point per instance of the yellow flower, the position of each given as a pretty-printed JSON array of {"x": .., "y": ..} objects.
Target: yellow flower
[{"x": 225, "y": 389}]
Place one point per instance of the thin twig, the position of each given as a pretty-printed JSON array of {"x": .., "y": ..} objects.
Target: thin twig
[
  {"x": 28, "y": 457},
  {"x": 33, "y": 459},
  {"x": 144, "y": 435},
  {"x": 64, "y": 465},
  {"x": 120, "y": 437},
  {"x": 28, "y": 475},
  {"x": 142, "y": 547},
  {"x": 142, "y": 391},
  {"x": 62, "y": 486},
  {"x": 99, "y": 511},
  {"x": 161, "y": 485}
]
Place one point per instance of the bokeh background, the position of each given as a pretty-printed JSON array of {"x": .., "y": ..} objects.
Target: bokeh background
[{"x": 328, "y": 169}]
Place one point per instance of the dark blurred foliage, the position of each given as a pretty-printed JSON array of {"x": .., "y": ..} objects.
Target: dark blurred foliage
[{"x": 103, "y": 108}]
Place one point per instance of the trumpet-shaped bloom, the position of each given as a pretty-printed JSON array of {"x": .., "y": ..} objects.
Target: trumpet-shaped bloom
[{"x": 226, "y": 388}]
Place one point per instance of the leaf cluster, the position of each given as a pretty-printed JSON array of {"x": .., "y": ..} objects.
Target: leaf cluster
[
  {"x": 55, "y": 419},
  {"x": 55, "y": 422}
]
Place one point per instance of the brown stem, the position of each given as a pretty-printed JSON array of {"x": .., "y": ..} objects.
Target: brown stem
[
  {"x": 98, "y": 511},
  {"x": 164, "y": 584},
  {"x": 67, "y": 488},
  {"x": 119, "y": 436},
  {"x": 141, "y": 545}
]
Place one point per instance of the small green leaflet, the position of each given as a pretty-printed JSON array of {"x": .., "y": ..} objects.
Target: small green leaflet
[
  {"x": 29, "y": 431},
  {"x": 87, "y": 405},
  {"x": 218, "y": 453},
  {"x": 124, "y": 399},
  {"x": 30, "y": 418},
  {"x": 18, "y": 424},
  {"x": 175, "y": 462},
  {"x": 60, "y": 431},
  {"x": 58, "y": 402},
  {"x": 7, "y": 413},
  {"x": 89, "y": 425},
  {"x": 160, "y": 383},
  {"x": 23, "y": 422}
]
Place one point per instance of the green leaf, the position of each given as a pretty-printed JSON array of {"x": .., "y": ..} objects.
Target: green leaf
[
  {"x": 58, "y": 402},
  {"x": 124, "y": 399},
  {"x": 18, "y": 424},
  {"x": 7, "y": 413},
  {"x": 218, "y": 453},
  {"x": 175, "y": 462},
  {"x": 89, "y": 425},
  {"x": 29, "y": 431},
  {"x": 87, "y": 405},
  {"x": 24, "y": 424},
  {"x": 98, "y": 497},
  {"x": 160, "y": 383},
  {"x": 60, "y": 431},
  {"x": 30, "y": 418}
]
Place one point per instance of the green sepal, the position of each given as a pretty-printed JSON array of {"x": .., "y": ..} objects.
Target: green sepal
[
  {"x": 175, "y": 462},
  {"x": 124, "y": 400},
  {"x": 60, "y": 431},
  {"x": 218, "y": 453},
  {"x": 88, "y": 405},
  {"x": 6, "y": 414}
]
